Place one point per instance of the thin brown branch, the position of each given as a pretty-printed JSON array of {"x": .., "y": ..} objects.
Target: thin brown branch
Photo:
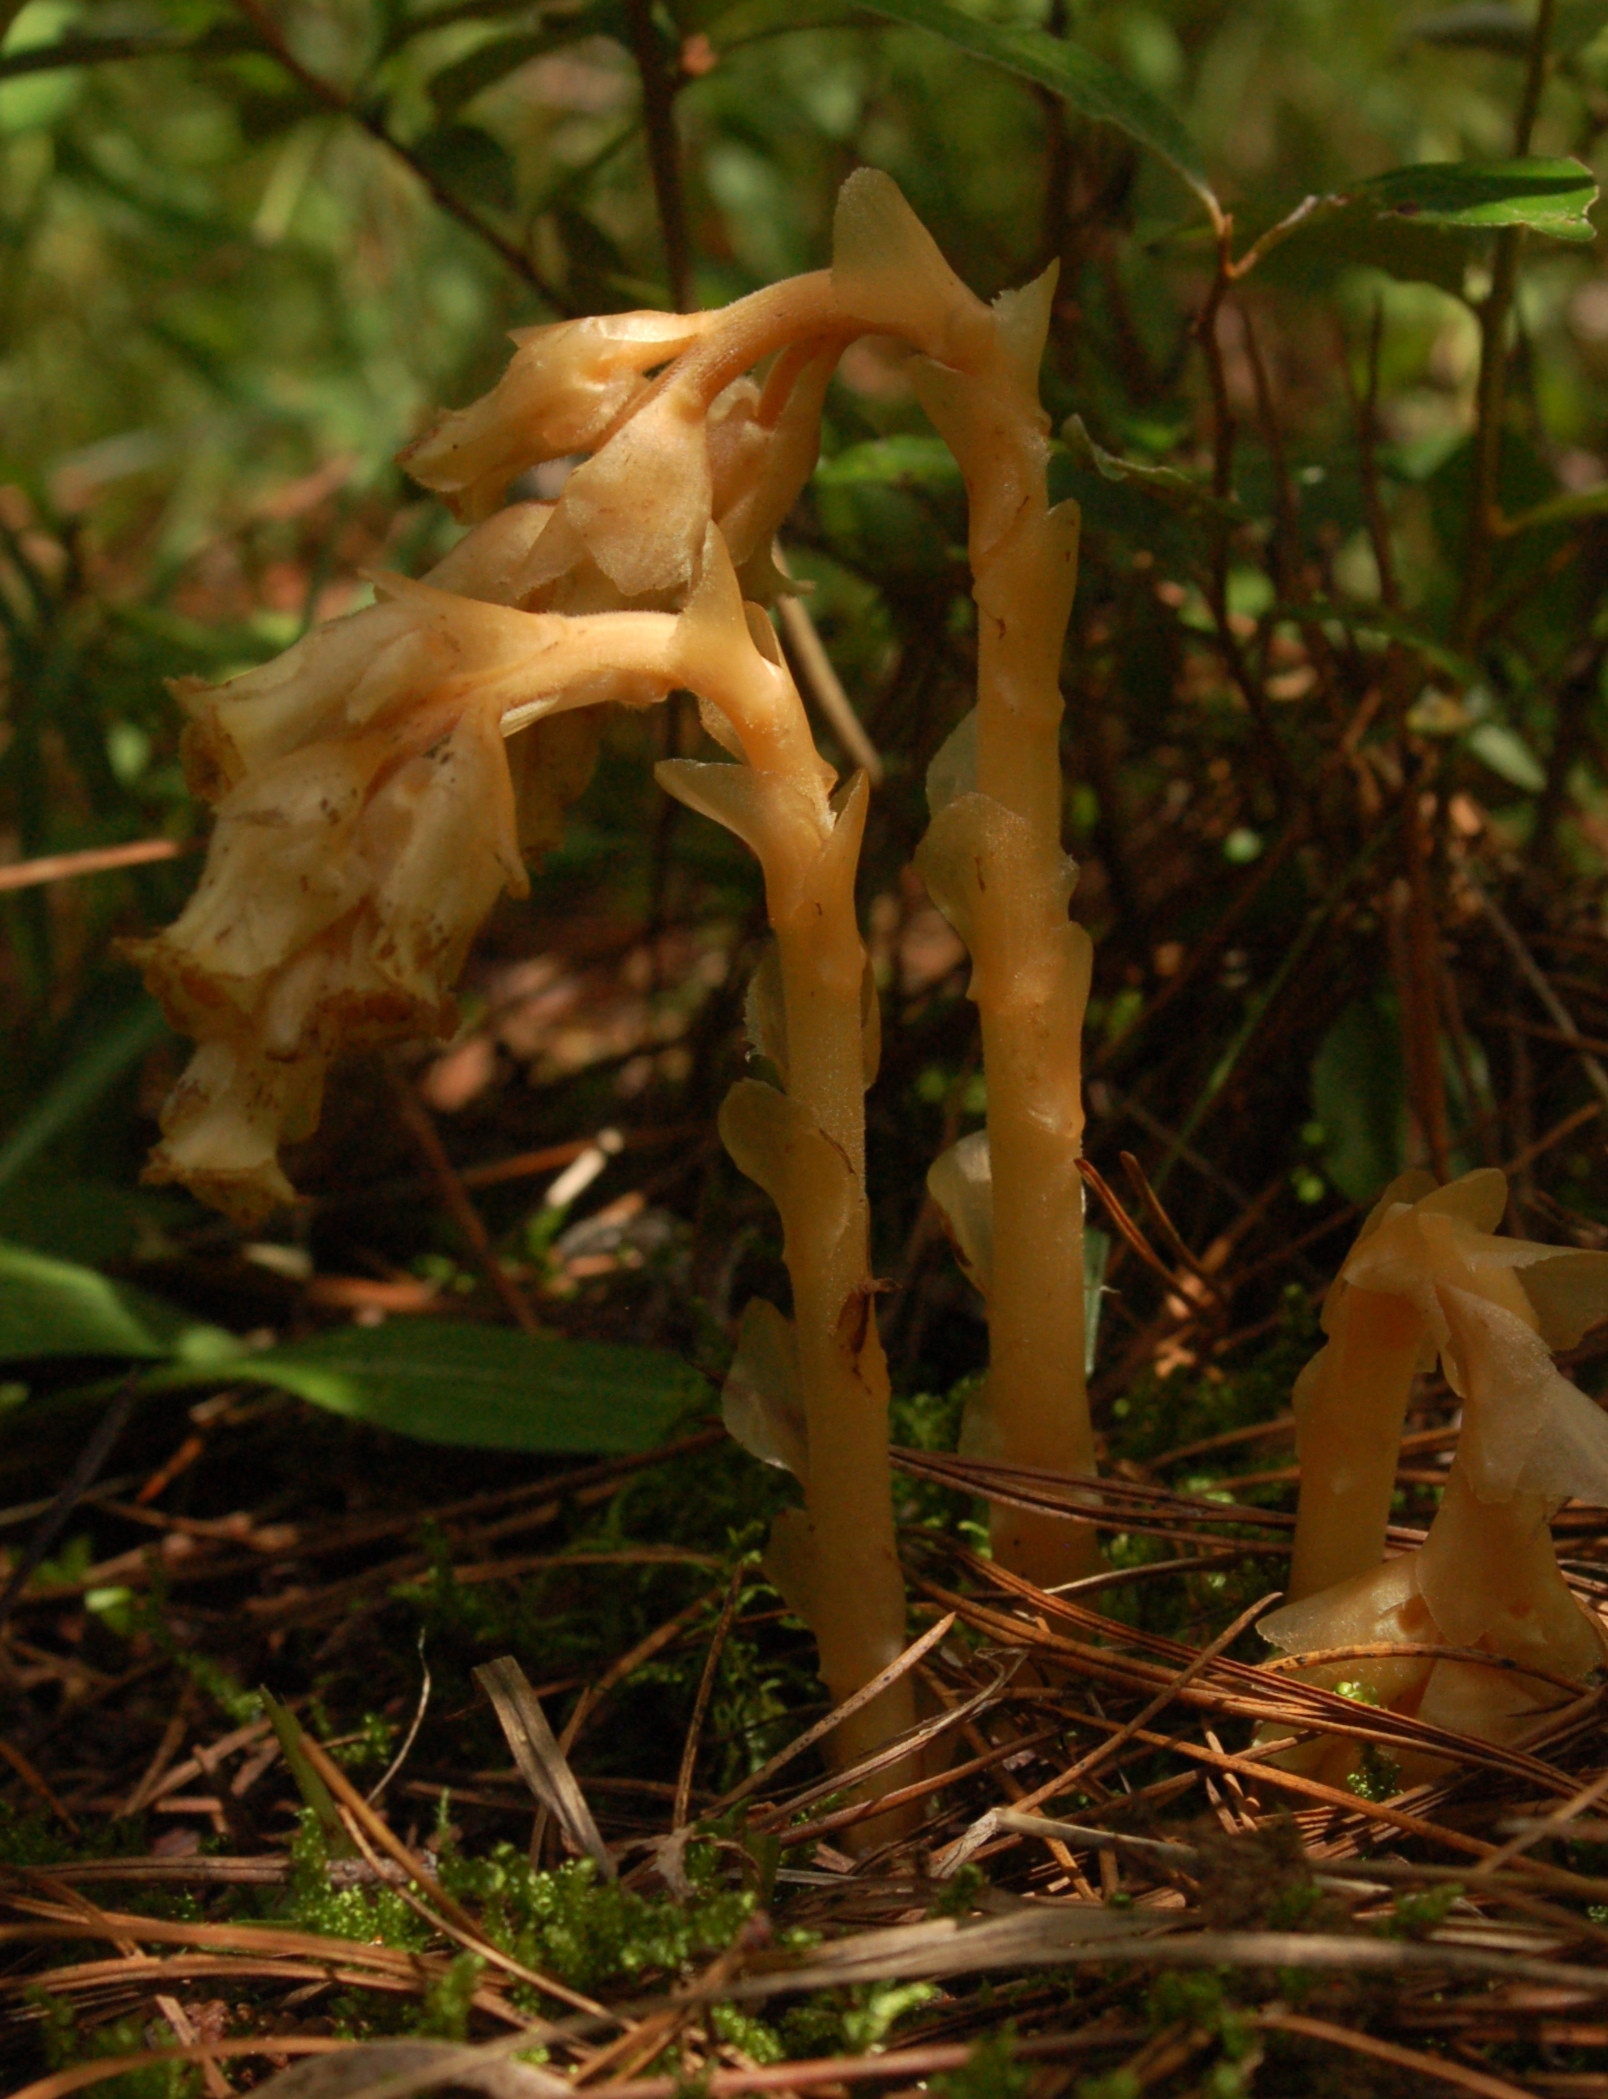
[
  {"x": 455, "y": 1197},
  {"x": 664, "y": 155},
  {"x": 336, "y": 100},
  {"x": 1490, "y": 393}
]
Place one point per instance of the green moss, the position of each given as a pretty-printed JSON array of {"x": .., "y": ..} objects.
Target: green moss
[
  {"x": 67, "y": 2043},
  {"x": 1416, "y": 1916},
  {"x": 1115, "y": 2084},
  {"x": 309, "y": 1903},
  {"x": 1377, "y": 1777},
  {"x": 444, "y": 2012},
  {"x": 991, "y": 2071},
  {"x": 1160, "y": 1413},
  {"x": 587, "y": 1932},
  {"x": 739, "y": 2029}
]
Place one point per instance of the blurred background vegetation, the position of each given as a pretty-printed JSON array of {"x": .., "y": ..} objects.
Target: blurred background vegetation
[{"x": 1336, "y": 726}]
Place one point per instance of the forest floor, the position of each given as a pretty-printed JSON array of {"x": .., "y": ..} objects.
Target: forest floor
[{"x": 1111, "y": 1892}]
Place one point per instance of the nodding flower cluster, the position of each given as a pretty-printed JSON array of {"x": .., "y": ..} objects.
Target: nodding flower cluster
[{"x": 386, "y": 779}]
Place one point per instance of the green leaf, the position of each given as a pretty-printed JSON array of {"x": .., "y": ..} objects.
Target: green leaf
[
  {"x": 1493, "y": 25},
  {"x": 907, "y": 461},
  {"x": 1484, "y": 25},
  {"x": 1577, "y": 23},
  {"x": 1178, "y": 491},
  {"x": 470, "y": 163},
  {"x": 1548, "y": 196},
  {"x": 57, "y": 1308},
  {"x": 1092, "y": 86},
  {"x": 491, "y": 62},
  {"x": 78, "y": 1088},
  {"x": 1507, "y": 755},
  {"x": 1359, "y": 1095},
  {"x": 438, "y": 1380},
  {"x": 1096, "y": 1258},
  {"x": 486, "y": 1387}
]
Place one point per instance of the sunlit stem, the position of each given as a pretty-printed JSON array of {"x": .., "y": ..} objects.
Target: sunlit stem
[
  {"x": 848, "y": 1498},
  {"x": 1350, "y": 1419}
]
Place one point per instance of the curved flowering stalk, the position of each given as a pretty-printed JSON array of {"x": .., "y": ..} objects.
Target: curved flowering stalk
[
  {"x": 1494, "y": 1310},
  {"x": 811, "y": 1392},
  {"x": 709, "y": 442},
  {"x": 993, "y": 859}
]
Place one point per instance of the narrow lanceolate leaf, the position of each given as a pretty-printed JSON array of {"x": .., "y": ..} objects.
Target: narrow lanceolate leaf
[
  {"x": 1548, "y": 196},
  {"x": 1495, "y": 25},
  {"x": 1482, "y": 25},
  {"x": 52, "y": 1308},
  {"x": 1178, "y": 491},
  {"x": 487, "y": 1387},
  {"x": 1092, "y": 86}
]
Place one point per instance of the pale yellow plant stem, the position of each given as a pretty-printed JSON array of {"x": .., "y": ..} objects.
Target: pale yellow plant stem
[
  {"x": 1349, "y": 1439},
  {"x": 846, "y": 1560},
  {"x": 848, "y": 1496},
  {"x": 1033, "y": 1066}
]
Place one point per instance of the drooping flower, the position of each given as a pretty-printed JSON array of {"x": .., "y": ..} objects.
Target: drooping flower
[
  {"x": 564, "y": 386},
  {"x": 367, "y": 820}
]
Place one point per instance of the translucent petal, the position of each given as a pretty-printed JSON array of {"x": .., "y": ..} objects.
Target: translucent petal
[
  {"x": 565, "y": 384},
  {"x": 642, "y": 504},
  {"x": 1490, "y": 1577},
  {"x": 279, "y": 870},
  {"x": 306, "y": 693},
  {"x": 1489, "y": 1704},
  {"x": 1478, "y": 1198},
  {"x": 443, "y": 846},
  {"x": 765, "y": 1012},
  {"x": 789, "y": 1563},
  {"x": 763, "y": 809},
  {"x": 551, "y": 765},
  {"x": 1023, "y": 319},
  {"x": 224, "y": 1121},
  {"x": 488, "y": 561},
  {"x": 1526, "y": 1428},
  {"x": 718, "y": 728},
  {"x": 1369, "y": 1609},
  {"x": 953, "y": 772},
  {"x": 1566, "y": 1286},
  {"x": 762, "y": 1401},
  {"x": 751, "y": 508},
  {"x": 1405, "y": 1190},
  {"x": 961, "y": 1184}
]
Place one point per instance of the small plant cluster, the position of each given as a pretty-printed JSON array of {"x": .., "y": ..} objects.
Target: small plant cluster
[{"x": 379, "y": 785}]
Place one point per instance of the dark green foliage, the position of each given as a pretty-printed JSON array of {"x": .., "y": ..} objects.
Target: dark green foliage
[
  {"x": 592, "y": 1933},
  {"x": 991, "y": 2072}
]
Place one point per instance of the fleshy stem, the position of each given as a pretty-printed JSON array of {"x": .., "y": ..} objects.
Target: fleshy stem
[
  {"x": 808, "y": 847},
  {"x": 849, "y": 1492},
  {"x": 1032, "y": 1042}
]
